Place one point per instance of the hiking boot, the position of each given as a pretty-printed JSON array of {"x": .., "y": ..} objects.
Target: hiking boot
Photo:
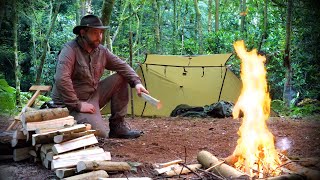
[{"x": 122, "y": 131}]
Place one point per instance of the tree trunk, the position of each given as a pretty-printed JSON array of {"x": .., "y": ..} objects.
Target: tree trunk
[
  {"x": 105, "y": 18},
  {"x": 243, "y": 17},
  {"x": 209, "y": 16},
  {"x": 156, "y": 26},
  {"x": 15, "y": 49},
  {"x": 122, "y": 19},
  {"x": 265, "y": 24},
  {"x": 217, "y": 16},
  {"x": 288, "y": 91},
  {"x": 198, "y": 26},
  {"x": 78, "y": 6},
  {"x": 83, "y": 8},
  {"x": 45, "y": 43},
  {"x": 2, "y": 11},
  {"x": 174, "y": 27}
]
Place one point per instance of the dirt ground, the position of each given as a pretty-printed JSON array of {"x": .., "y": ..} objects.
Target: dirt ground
[{"x": 167, "y": 139}]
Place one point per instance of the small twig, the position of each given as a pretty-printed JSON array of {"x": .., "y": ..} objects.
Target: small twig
[{"x": 182, "y": 164}]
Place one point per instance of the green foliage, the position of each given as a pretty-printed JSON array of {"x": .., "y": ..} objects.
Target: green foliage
[
  {"x": 296, "y": 111},
  {"x": 140, "y": 18},
  {"x": 7, "y": 98}
]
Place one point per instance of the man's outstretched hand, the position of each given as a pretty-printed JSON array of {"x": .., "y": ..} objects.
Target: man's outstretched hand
[
  {"x": 140, "y": 88},
  {"x": 87, "y": 108}
]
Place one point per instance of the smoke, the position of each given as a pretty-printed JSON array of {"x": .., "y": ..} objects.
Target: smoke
[{"x": 284, "y": 144}]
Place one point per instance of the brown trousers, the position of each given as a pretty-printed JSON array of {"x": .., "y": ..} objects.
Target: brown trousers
[{"x": 114, "y": 88}]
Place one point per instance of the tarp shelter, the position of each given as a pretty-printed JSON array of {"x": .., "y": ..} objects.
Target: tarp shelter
[{"x": 192, "y": 80}]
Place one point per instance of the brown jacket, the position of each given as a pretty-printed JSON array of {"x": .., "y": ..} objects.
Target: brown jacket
[{"x": 78, "y": 73}]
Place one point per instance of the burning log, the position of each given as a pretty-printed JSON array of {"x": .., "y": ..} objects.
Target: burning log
[
  {"x": 208, "y": 160},
  {"x": 102, "y": 165}
]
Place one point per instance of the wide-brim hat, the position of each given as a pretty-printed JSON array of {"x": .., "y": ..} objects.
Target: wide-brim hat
[{"x": 90, "y": 21}]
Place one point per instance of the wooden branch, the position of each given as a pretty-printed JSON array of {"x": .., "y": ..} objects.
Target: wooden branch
[
  {"x": 54, "y": 123},
  {"x": 207, "y": 160},
  {"x": 304, "y": 171},
  {"x": 102, "y": 165},
  {"x": 89, "y": 175},
  {"x": 75, "y": 144},
  {"x": 66, "y": 172},
  {"x": 162, "y": 165},
  {"x": 72, "y": 161},
  {"x": 182, "y": 170},
  {"x": 44, "y": 115},
  {"x": 21, "y": 153},
  {"x": 48, "y": 137},
  {"x": 66, "y": 137}
]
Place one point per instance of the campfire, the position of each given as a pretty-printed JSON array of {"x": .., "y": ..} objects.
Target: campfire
[{"x": 255, "y": 152}]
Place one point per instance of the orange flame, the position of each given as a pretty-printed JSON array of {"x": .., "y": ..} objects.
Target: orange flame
[{"x": 255, "y": 150}]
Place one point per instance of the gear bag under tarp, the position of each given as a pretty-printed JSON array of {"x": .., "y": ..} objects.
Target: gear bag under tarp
[{"x": 220, "y": 109}]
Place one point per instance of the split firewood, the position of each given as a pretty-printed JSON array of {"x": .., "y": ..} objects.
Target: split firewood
[
  {"x": 54, "y": 123},
  {"x": 65, "y": 172},
  {"x": 18, "y": 134},
  {"x": 71, "y": 159},
  {"x": 33, "y": 153},
  {"x": 295, "y": 167},
  {"x": 162, "y": 165},
  {"x": 75, "y": 144},
  {"x": 45, "y": 148},
  {"x": 67, "y": 137},
  {"x": 207, "y": 160},
  {"x": 102, "y": 165},
  {"x": 46, "y": 130},
  {"x": 47, "y": 163},
  {"x": 89, "y": 150},
  {"x": 21, "y": 153},
  {"x": 42, "y": 156},
  {"x": 44, "y": 115},
  {"x": 159, "y": 171},
  {"x": 182, "y": 170},
  {"x": 50, "y": 155},
  {"x": 47, "y": 137},
  {"x": 19, "y": 143},
  {"x": 94, "y": 175}
]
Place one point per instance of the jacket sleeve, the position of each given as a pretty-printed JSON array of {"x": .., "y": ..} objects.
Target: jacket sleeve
[
  {"x": 114, "y": 63},
  {"x": 64, "y": 85}
]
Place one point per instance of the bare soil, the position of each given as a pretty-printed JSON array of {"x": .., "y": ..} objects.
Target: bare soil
[{"x": 167, "y": 139}]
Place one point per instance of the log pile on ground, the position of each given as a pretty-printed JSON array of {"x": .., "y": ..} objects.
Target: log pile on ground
[
  {"x": 53, "y": 138},
  {"x": 211, "y": 167}
]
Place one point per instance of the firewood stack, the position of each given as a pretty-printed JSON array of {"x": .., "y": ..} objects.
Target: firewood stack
[{"x": 52, "y": 137}]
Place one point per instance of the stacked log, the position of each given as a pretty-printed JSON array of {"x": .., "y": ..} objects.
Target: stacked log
[{"x": 52, "y": 137}]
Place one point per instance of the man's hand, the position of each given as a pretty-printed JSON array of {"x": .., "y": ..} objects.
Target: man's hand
[
  {"x": 87, "y": 108},
  {"x": 140, "y": 88}
]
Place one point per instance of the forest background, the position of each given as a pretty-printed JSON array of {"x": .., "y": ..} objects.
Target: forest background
[{"x": 287, "y": 32}]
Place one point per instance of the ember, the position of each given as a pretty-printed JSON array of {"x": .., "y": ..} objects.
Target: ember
[{"x": 255, "y": 151}]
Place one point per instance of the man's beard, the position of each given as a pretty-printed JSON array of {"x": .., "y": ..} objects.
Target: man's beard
[{"x": 92, "y": 44}]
